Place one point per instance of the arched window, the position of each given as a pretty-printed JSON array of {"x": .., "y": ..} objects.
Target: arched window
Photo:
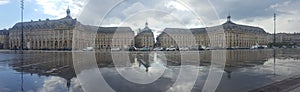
[
  {"x": 60, "y": 44},
  {"x": 65, "y": 44},
  {"x": 11, "y": 45},
  {"x": 40, "y": 44},
  {"x": 44, "y": 44},
  {"x": 55, "y": 44},
  {"x": 36, "y": 44}
]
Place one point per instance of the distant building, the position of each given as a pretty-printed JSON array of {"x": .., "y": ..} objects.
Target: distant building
[
  {"x": 4, "y": 39},
  {"x": 44, "y": 34},
  {"x": 288, "y": 38},
  {"x": 243, "y": 36},
  {"x": 145, "y": 38},
  {"x": 84, "y": 37},
  {"x": 114, "y": 37},
  {"x": 178, "y": 37},
  {"x": 67, "y": 33},
  {"x": 237, "y": 36},
  {"x": 60, "y": 34}
]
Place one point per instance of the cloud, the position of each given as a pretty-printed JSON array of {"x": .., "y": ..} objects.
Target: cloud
[
  {"x": 167, "y": 13},
  {"x": 163, "y": 13},
  {"x": 57, "y": 8},
  {"x": 287, "y": 17},
  {"x": 251, "y": 12},
  {"x": 3, "y": 2},
  {"x": 95, "y": 10},
  {"x": 178, "y": 13},
  {"x": 58, "y": 84},
  {"x": 75, "y": 85},
  {"x": 53, "y": 84},
  {"x": 159, "y": 14},
  {"x": 176, "y": 5},
  {"x": 134, "y": 8}
]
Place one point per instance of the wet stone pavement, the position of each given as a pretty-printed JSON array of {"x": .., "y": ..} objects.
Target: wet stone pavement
[{"x": 53, "y": 71}]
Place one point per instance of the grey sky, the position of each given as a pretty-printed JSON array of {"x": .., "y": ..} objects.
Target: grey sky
[{"x": 186, "y": 13}]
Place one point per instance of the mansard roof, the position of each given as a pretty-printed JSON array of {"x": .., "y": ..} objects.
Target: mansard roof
[
  {"x": 114, "y": 29},
  {"x": 229, "y": 25},
  {"x": 175, "y": 30},
  {"x": 46, "y": 24},
  {"x": 147, "y": 31},
  {"x": 4, "y": 32},
  {"x": 182, "y": 30},
  {"x": 198, "y": 30},
  {"x": 147, "y": 28}
]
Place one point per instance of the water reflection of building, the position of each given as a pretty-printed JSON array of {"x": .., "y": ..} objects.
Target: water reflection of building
[
  {"x": 4, "y": 39},
  {"x": 60, "y": 63},
  {"x": 234, "y": 58},
  {"x": 236, "y": 36},
  {"x": 288, "y": 54},
  {"x": 144, "y": 60},
  {"x": 56, "y": 63},
  {"x": 248, "y": 57},
  {"x": 46, "y": 64}
]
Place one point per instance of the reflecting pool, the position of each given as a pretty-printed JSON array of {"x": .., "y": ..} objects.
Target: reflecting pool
[{"x": 44, "y": 71}]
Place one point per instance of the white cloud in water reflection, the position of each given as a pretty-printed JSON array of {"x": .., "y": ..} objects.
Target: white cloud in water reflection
[
  {"x": 54, "y": 84},
  {"x": 58, "y": 84},
  {"x": 75, "y": 85}
]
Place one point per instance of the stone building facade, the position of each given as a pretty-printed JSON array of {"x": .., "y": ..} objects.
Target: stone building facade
[
  {"x": 114, "y": 37},
  {"x": 83, "y": 37},
  {"x": 178, "y": 37},
  {"x": 288, "y": 38},
  {"x": 145, "y": 38},
  {"x": 60, "y": 34},
  {"x": 44, "y": 34},
  {"x": 4, "y": 39},
  {"x": 227, "y": 35}
]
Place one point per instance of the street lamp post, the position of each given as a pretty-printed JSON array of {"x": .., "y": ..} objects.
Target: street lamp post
[
  {"x": 22, "y": 44},
  {"x": 22, "y": 27},
  {"x": 274, "y": 40}
]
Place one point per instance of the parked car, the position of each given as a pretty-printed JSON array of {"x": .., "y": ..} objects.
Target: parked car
[
  {"x": 145, "y": 49},
  {"x": 132, "y": 48},
  {"x": 183, "y": 49},
  {"x": 115, "y": 49},
  {"x": 171, "y": 49},
  {"x": 201, "y": 48},
  {"x": 88, "y": 49},
  {"x": 158, "y": 49},
  {"x": 194, "y": 48}
]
